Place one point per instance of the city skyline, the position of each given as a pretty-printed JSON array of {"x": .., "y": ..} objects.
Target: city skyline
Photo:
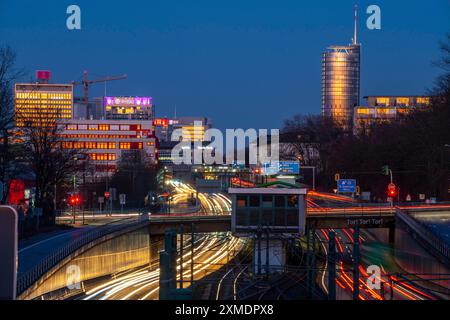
[
  {"x": 193, "y": 71},
  {"x": 252, "y": 151}
]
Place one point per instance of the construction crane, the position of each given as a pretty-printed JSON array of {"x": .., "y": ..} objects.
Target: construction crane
[{"x": 85, "y": 82}]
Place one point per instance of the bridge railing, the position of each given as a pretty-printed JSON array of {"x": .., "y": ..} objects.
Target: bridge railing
[
  {"x": 354, "y": 211},
  {"x": 425, "y": 236},
  {"x": 29, "y": 277}
]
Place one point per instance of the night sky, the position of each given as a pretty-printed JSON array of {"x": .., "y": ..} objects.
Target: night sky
[{"x": 244, "y": 63}]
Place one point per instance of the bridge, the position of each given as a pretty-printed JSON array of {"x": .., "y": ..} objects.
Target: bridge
[
  {"x": 341, "y": 218},
  {"x": 156, "y": 225}
]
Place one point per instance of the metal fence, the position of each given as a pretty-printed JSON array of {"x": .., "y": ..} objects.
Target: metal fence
[{"x": 28, "y": 278}]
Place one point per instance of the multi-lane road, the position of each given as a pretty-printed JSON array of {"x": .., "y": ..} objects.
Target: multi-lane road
[{"x": 211, "y": 252}]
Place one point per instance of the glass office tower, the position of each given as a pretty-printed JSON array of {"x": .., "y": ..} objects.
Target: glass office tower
[{"x": 341, "y": 81}]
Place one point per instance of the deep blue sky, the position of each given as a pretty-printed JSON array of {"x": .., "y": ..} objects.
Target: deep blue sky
[{"x": 244, "y": 63}]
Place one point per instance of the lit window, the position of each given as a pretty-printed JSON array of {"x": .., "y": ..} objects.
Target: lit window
[
  {"x": 383, "y": 101},
  {"x": 124, "y": 145},
  {"x": 402, "y": 101}
]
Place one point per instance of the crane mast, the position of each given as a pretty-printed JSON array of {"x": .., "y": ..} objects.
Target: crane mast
[{"x": 86, "y": 82}]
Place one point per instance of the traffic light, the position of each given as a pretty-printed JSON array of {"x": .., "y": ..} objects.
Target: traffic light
[
  {"x": 74, "y": 200},
  {"x": 336, "y": 177},
  {"x": 385, "y": 170},
  {"x": 392, "y": 190}
]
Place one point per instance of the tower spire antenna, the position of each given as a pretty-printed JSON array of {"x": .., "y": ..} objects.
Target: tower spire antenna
[{"x": 356, "y": 26}]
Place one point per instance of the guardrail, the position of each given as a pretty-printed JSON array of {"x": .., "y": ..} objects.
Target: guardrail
[
  {"x": 28, "y": 278},
  {"x": 352, "y": 212},
  {"x": 425, "y": 235}
]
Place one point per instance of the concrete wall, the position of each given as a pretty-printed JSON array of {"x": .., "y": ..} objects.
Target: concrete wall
[
  {"x": 413, "y": 258},
  {"x": 124, "y": 252}
]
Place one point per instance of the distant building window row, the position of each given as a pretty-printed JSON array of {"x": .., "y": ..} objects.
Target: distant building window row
[
  {"x": 43, "y": 95},
  {"x": 100, "y": 145},
  {"x": 104, "y": 127},
  {"x": 102, "y": 156},
  {"x": 130, "y": 145},
  {"x": 99, "y": 136}
]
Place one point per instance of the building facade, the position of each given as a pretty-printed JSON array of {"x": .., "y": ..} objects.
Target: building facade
[
  {"x": 397, "y": 101},
  {"x": 42, "y": 103},
  {"x": 128, "y": 108},
  {"x": 341, "y": 83},
  {"x": 341, "y": 80},
  {"x": 192, "y": 128},
  {"x": 105, "y": 142},
  {"x": 383, "y": 109}
]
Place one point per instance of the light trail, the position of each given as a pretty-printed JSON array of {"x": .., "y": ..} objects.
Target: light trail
[{"x": 209, "y": 253}]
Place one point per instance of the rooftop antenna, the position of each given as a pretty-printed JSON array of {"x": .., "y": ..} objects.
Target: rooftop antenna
[
  {"x": 356, "y": 25},
  {"x": 175, "y": 115}
]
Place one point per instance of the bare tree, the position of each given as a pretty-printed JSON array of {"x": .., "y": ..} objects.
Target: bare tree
[
  {"x": 135, "y": 176},
  {"x": 8, "y": 151},
  {"x": 52, "y": 159},
  {"x": 311, "y": 139}
]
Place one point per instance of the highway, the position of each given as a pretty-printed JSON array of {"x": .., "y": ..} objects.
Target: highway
[
  {"x": 212, "y": 251},
  {"x": 393, "y": 288}
]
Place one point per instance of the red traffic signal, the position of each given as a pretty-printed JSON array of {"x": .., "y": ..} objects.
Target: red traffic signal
[
  {"x": 107, "y": 194},
  {"x": 74, "y": 200},
  {"x": 392, "y": 190}
]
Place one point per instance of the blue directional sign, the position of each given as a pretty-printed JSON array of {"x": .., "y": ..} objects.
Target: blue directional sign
[
  {"x": 281, "y": 167},
  {"x": 347, "y": 185}
]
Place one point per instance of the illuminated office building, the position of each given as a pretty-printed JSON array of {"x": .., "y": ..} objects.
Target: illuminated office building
[
  {"x": 398, "y": 101},
  {"x": 192, "y": 128},
  {"x": 128, "y": 108},
  {"x": 382, "y": 109},
  {"x": 42, "y": 103},
  {"x": 341, "y": 82},
  {"x": 104, "y": 142}
]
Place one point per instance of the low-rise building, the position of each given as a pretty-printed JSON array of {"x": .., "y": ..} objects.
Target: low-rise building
[
  {"x": 382, "y": 109},
  {"x": 193, "y": 128},
  {"x": 105, "y": 142},
  {"x": 128, "y": 108}
]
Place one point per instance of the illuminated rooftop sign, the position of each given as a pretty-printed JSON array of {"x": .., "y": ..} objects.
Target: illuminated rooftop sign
[
  {"x": 128, "y": 101},
  {"x": 161, "y": 122}
]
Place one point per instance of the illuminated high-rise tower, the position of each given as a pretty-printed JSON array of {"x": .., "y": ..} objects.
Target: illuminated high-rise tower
[{"x": 341, "y": 81}]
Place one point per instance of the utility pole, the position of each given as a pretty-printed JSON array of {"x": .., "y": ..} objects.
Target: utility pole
[
  {"x": 267, "y": 253},
  {"x": 331, "y": 266},
  {"x": 259, "y": 251},
  {"x": 192, "y": 252},
  {"x": 313, "y": 270},
  {"x": 356, "y": 263},
  {"x": 308, "y": 269},
  {"x": 181, "y": 256}
]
